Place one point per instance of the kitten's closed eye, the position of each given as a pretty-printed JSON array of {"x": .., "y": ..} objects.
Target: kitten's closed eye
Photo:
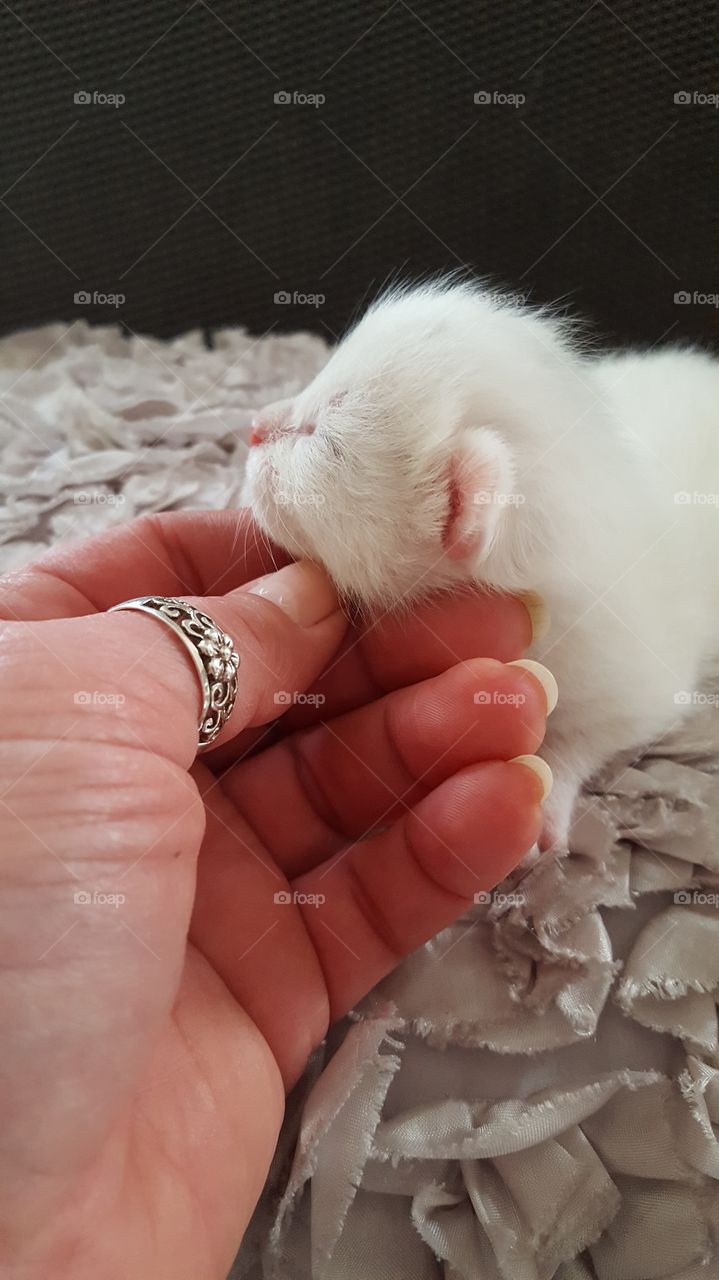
[
  {"x": 272, "y": 423},
  {"x": 266, "y": 432}
]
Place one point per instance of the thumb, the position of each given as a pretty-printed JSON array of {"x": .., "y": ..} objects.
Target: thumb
[{"x": 285, "y": 627}]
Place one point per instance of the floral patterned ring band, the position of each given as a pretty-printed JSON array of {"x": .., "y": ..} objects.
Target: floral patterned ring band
[{"x": 212, "y": 651}]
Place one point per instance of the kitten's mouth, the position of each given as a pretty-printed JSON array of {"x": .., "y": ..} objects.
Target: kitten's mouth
[{"x": 274, "y": 511}]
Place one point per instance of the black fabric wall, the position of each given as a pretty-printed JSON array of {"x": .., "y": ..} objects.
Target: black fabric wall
[{"x": 200, "y": 197}]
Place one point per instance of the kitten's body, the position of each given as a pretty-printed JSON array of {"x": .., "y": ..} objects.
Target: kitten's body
[
  {"x": 635, "y": 597},
  {"x": 455, "y": 438}
]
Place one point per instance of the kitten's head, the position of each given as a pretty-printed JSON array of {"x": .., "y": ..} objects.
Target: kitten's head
[{"x": 396, "y": 467}]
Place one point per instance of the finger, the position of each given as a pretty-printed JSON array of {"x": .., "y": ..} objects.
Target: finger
[
  {"x": 342, "y": 778},
  {"x": 349, "y": 921},
  {"x": 399, "y": 649},
  {"x": 385, "y": 897},
  {"x": 183, "y": 553},
  {"x": 285, "y": 627}
]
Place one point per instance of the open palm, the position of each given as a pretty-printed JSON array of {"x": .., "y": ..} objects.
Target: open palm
[{"x": 176, "y": 936}]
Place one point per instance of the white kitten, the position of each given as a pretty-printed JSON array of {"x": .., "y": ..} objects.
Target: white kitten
[{"x": 455, "y": 437}]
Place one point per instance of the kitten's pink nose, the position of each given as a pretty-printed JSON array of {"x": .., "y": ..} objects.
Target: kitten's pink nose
[{"x": 258, "y": 434}]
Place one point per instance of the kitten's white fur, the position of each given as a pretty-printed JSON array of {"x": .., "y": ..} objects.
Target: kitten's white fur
[{"x": 458, "y": 437}]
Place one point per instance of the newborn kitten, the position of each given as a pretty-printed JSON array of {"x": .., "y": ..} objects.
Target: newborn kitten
[{"x": 453, "y": 437}]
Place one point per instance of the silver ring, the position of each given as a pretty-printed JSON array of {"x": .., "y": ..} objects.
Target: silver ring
[{"x": 212, "y": 651}]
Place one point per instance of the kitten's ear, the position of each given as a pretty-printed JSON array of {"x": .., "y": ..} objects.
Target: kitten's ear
[{"x": 481, "y": 475}]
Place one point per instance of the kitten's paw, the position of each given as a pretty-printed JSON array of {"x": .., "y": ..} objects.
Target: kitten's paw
[
  {"x": 558, "y": 810},
  {"x": 553, "y": 838}
]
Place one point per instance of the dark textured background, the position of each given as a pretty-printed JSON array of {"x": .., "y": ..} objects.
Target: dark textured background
[{"x": 200, "y": 197}]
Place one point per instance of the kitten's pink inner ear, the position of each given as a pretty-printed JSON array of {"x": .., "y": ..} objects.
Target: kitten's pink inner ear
[
  {"x": 471, "y": 484},
  {"x": 457, "y": 539}
]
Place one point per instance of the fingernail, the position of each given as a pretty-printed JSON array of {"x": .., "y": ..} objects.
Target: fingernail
[
  {"x": 303, "y": 591},
  {"x": 540, "y": 767},
  {"x": 538, "y": 614},
  {"x": 545, "y": 678}
]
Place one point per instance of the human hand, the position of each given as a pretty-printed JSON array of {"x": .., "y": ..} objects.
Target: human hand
[{"x": 158, "y": 993}]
